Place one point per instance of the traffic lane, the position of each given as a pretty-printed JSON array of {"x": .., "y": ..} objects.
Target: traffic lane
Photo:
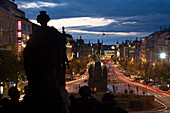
[
  {"x": 160, "y": 96},
  {"x": 123, "y": 85},
  {"x": 74, "y": 87},
  {"x": 159, "y": 106},
  {"x": 125, "y": 79}
]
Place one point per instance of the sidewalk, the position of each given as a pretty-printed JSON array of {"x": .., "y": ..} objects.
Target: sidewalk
[{"x": 156, "y": 108}]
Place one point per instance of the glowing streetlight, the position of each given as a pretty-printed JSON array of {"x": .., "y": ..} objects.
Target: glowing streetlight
[{"x": 163, "y": 55}]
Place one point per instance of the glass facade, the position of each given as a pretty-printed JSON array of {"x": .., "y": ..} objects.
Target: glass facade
[
  {"x": 23, "y": 26},
  {"x": 28, "y": 28}
]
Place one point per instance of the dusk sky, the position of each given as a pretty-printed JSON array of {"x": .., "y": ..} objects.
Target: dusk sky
[{"x": 118, "y": 19}]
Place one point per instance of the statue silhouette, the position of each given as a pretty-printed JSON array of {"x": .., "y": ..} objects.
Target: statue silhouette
[{"x": 44, "y": 61}]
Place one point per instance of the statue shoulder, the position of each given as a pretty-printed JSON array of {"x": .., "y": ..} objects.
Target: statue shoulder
[{"x": 54, "y": 30}]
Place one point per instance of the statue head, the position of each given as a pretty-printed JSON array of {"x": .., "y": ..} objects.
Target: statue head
[{"x": 43, "y": 18}]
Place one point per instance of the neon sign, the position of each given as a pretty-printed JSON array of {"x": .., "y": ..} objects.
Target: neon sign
[
  {"x": 19, "y": 25},
  {"x": 19, "y": 34}
]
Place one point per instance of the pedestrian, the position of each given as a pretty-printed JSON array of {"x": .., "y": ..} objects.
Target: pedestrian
[
  {"x": 125, "y": 91},
  {"x": 113, "y": 87},
  {"x": 137, "y": 89},
  {"x": 131, "y": 91},
  {"x": 128, "y": 86},
  {"x": 143, "y": 91},
  {"x": 14, "y": 104}
]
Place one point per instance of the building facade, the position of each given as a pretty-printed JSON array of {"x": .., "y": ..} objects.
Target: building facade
[
  {"x": 14, "y": 27},
  {"x": 154, "y": 45}
]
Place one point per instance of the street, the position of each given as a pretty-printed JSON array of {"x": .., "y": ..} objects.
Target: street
[{"x": 161, "y": 97}]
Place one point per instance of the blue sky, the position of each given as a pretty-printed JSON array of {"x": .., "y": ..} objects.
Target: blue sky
[{"x": 118, "y": 19}]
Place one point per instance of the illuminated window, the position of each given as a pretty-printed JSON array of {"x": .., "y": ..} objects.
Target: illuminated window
[{"x": 19, "y": 25}]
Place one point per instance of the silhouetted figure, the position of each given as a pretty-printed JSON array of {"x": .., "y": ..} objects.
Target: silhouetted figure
[
  {"x": 14, "y": 104},
  {"x": 125, "y": 91},
  {"x": 128, "y": 86},
  {"x": 91, "y": 74},
  {"x": 131, "y": 91},
  {"x": 111, "y": 105},
  {"x": 113, "y": 87},
  {"x": 137, "y": 89},
  {"x": 45, "y": 63},
  {"x": 104, "y": 80},
  {"x": 144, "y": 91},
  {"x": 98, "y": 77},
  {"x": 73, "y": 104},
  {"x": 4, "y": 105},
  {"x": 85, "y": 104}
]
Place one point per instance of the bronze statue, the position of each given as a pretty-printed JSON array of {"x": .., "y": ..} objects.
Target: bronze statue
[
  {"x": 91, "y": 74},
  {"x": 98, "y": 77},
  {"x": 44, "y": 61}
]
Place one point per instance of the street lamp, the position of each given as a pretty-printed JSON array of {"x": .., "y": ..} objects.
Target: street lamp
[{"x": 163, "y": 55}]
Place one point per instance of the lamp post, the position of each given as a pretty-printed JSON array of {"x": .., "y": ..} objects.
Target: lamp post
[
  {"x": 101, "y": 45},
  {"x": 102, "y": 37},
  {"x": 163, "y": 56}
]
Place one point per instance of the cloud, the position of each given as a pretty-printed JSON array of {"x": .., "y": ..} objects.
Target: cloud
[
  {"x": 110, "y": 33},
  {"x": 129, "y": 22},
  {"x": 79, "y": 21},
  {"x": 85, "y": 25},
  {"x": 39, "y": 4}
]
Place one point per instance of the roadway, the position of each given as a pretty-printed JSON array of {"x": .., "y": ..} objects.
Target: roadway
[
  {"x": 162, "y": 97},
  {"x": 74, "y": 85}
]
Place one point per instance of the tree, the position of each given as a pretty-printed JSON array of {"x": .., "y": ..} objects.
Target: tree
[
  {"x": 76, "y": 65},
  {"x": 150, "y": 72},
  {"x": 11, "y": 66}
]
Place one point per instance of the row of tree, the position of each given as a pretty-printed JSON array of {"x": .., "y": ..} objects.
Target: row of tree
[
  {"x": 11, "y": 65},
  {"x": 77, "y": 65},
  {"x": 158, "y": 72}
]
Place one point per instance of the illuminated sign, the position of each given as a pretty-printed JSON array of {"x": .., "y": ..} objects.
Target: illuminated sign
[
  {"x": 77, "y": 54},
  {"x": 19, "y": 34},
  {"x": 19, "y": 41},
  {"x": 118, "y": 53},
  {"x": 19, "y": 25}
]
